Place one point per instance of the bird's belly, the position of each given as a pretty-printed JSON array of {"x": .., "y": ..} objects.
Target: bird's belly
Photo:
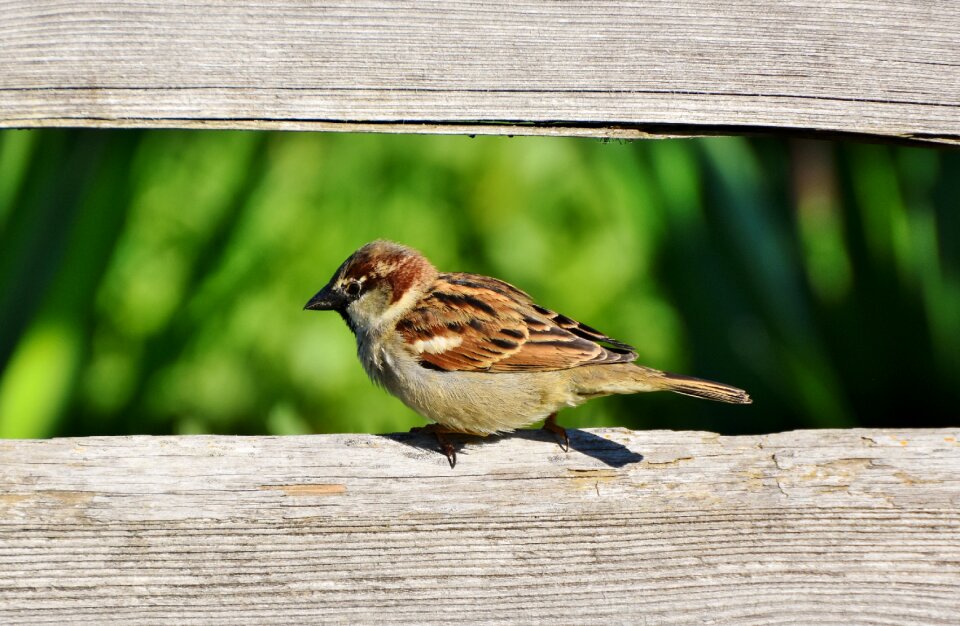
[{"x": 475, "y": 402}]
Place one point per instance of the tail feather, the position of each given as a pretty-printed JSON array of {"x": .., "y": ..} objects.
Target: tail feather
[
  {"x": 700, "y": 388},
  {"x": 593, "y": 381}
]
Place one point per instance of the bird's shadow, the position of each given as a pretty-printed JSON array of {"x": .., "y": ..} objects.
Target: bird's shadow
[{"x": 604, "y": 450}]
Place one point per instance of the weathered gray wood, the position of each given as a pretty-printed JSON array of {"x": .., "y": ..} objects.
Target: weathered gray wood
[
  {"x": 884, "y": 68},
  {"x": 852, "y": 526}
]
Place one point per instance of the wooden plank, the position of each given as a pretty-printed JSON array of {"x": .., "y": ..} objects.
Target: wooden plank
[
  {"x": 842, "y": 526},
  {"x": 879, "y": 68}
]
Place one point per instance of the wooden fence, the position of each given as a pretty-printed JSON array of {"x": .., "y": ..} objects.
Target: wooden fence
[
  {"x": 653, "y": 527},
  {"x": 657, "y": 527},
  {"x": 883, "y": 68}
]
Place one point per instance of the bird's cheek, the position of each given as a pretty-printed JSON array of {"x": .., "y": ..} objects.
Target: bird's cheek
[{"x": 361, "y": 313}]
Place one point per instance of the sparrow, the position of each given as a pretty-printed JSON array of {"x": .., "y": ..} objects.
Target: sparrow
[{"x": 474, "y": 354}]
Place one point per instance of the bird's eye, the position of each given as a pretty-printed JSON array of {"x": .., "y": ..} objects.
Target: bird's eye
[{"x": 352, "y": 288}]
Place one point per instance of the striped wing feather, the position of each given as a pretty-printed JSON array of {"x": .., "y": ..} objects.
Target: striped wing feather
[{"x": 468, "y": 322}]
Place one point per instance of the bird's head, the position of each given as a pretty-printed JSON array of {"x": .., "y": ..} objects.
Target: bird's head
[{"x": 375, "y": 285}]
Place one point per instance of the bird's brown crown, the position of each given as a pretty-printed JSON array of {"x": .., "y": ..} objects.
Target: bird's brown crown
[{"x": 390, "y": 264}]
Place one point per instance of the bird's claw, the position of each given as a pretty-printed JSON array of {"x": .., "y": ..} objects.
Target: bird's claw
[
  {"x": 550, "y": 424},
  {"x": 449, "y": 451},
  {"x": 446, "y": 447}
]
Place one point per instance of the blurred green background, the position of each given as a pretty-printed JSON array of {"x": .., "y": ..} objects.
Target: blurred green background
[{"x": 153, "y": 281}]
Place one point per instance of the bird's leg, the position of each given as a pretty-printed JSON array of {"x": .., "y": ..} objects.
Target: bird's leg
[
  {"x": 439, "y": 432},
  {"x": 559, "y": 431}
]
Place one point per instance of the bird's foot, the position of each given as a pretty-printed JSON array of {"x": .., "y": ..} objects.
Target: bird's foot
[
  {"x": 446, "y": 446},
  {"x": 559, "y": 431}
]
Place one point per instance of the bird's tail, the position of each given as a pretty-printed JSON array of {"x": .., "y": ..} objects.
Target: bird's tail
[
  {"x": 700, "y": 388},
  {"x": 605, "y": 380}
]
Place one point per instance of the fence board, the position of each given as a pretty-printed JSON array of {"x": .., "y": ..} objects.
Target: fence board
[
  {"x": 882, "y": 68},
  {"x": 851, "y": 526}
]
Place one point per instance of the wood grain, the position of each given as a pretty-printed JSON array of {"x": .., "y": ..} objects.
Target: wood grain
[
  {"x": 658, "y": 527},
  {"x": 878, "y": 68}
]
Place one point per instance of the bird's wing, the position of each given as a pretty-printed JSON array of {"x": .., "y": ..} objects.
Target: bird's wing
[{"x": 468, "y": 322}]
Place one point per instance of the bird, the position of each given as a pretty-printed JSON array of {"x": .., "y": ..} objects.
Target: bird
[{"x": 474, "y": 354}]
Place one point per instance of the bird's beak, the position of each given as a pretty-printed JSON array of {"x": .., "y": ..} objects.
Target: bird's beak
[{"x": 326, "y": 299}]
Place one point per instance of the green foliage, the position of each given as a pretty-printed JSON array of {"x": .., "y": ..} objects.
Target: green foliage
[{"x": 153, "y": 282}]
